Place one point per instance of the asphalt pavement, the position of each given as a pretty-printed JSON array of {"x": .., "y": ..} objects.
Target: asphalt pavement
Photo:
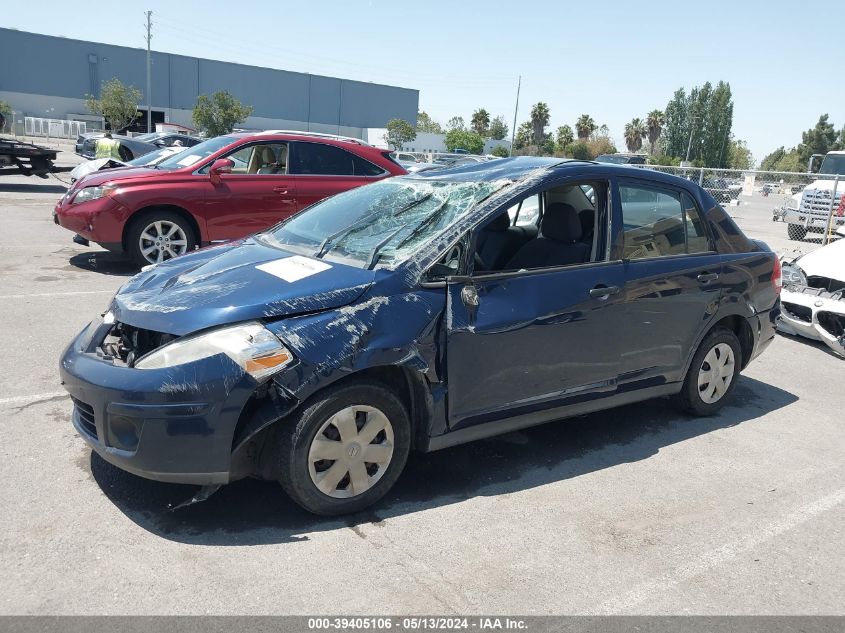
[{"x": 634, "y": 510}]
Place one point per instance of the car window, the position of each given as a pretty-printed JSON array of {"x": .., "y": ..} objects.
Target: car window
[
  {"x": 526, "y": 212},
  {"x": 328, "y": 160},
  {"x": 260, "y": 159},
  {"x": 656, "y": 223}
]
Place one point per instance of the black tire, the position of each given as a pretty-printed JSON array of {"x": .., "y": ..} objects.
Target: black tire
[
  {"x": 300, "y": 430},
  {"x": 690, "y": 398},
  {"x": 142, "y": 221},
  {"x": 796, "y": 232}
]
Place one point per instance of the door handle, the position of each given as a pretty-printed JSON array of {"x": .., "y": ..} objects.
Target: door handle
[
  {"x": 469, "y": 295},
  {"x": 706, "y": 278},
  {"x": 603, "y": 292},
  {"x": 280, "y": 189}
]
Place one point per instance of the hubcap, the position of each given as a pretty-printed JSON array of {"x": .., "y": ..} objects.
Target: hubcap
[
  {"x": 162, "y": 240},
  {"x": 716, "y": 373},
  {"x": 351, "y": 451}
]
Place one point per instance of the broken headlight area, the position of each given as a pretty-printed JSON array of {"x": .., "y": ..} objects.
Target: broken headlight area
[
  {"x": 792, "y": 274},
  {"x": 124, "y": 344}
]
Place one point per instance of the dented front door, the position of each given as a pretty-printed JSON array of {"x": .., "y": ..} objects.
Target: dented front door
[{"x": 529, "y": 341}]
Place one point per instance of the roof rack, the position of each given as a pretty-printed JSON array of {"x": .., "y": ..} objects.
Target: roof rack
[{"x": 336, "y": 137}]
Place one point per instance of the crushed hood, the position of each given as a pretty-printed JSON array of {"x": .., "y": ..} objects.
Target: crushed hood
[
  {"x": 828, "y": 261},
  {"x": 224, "y": 284}
]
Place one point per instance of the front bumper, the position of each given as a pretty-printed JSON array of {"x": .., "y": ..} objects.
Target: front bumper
[
  {"x": 812, "y": 220},
  {"x": 100, "y": 220},
  {"x": 174, "y": 425},
  {"x": 813, "y": 313}
]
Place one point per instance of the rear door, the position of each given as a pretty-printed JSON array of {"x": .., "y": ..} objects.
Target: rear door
[
  {"x": 672, "y": 274},
  {"x": 322, "y": 170},
  {"x": 257, "y": 194}
]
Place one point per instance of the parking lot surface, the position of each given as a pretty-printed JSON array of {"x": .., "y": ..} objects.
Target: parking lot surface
[{"x": 633, "y": 510}]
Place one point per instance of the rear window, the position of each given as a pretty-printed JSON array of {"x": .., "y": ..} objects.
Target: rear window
[{"x": 329, "y": 160}]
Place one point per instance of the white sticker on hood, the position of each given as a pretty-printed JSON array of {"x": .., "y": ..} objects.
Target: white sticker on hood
[{"x": 294, "y": 268}]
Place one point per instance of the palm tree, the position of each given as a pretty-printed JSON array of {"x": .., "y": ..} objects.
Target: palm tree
[
  {"x": 634, "y": 133},
  {"x": 564, "y": 137},
  {"x": 480, "y": 121},
  {"x": 585, "y": 126},
  {"x": 539, "y": 121},
  {"x": 654, "y": 123}
]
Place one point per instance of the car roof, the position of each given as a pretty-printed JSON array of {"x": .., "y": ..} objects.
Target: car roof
[{"x": 520, "y": 167}]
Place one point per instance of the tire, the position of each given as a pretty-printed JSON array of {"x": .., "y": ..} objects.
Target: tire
[
  {"x": 308, "y": 472},
  {"x": 147, "y": 228},
  {"x": 704, "y": 393},
  {"x": 796, "y": 232}
]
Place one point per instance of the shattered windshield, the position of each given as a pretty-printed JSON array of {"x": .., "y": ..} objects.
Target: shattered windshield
[{"x": 382, "y": 222}]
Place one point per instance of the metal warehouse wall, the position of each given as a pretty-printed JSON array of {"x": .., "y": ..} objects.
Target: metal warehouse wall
[{"x": 58, "y": 67}]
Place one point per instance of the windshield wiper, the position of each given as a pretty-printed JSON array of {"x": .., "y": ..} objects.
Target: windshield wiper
[
  {"x": 374, "y": 253},
  {"x": 361, "y": 224}
]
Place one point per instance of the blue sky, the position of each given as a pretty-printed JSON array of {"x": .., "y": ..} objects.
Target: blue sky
[{"x": 614, "y": 60}]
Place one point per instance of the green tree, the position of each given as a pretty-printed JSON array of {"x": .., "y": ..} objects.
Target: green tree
[
  {"x": 818, "y": 140},
  {"x": 585, "y": 126},
  {"x": 427, "y": 125},
  {"x": 654, "y": 121},
  {"x": 522, "y": 138},
  {"x": 565, "y": 136},
  {"x": 580, "y": 151},
  {"x": 635, "y": 131},
  {"x": 501, "y": 151},
  {"x": 219, "y": 113},
  {"x": 399, "y": 132},
  {"x": 6, "y": 115},
  {"x": 700, "y": 121},
  {"x": 118, "y": 104},
  {"x": 464, "y": 139},
  {"x": 739, "y": 156},
  {"x": 498, "y": 128},
  {"x": 480, "y": 122},
  {"x": 456, "y": 123},
  {"x": 770, "y": 161},
  {"x": 539, "y": 121}
]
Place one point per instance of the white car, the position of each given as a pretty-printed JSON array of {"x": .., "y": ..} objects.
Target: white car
[{"x": 813, "y": 295}]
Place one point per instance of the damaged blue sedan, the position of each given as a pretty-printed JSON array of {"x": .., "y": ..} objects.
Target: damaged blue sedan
[{"x": 418, "y": 313}]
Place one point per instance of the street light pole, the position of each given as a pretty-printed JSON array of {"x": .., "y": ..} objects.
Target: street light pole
[
  {"x": 149, "y": 83},
  {"x": 515, "y": 110}
]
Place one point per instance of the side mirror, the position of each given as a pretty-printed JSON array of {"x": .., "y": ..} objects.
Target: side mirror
[
  {"x": 219, "y": 167},
  {"x": 160, "y": 143}
]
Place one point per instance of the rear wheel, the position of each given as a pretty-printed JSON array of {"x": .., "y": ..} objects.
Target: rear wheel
[
  {"x": 157, "y": 236},
  {"x": 796, "y": 232},
  {"x": 712, "y": 374},
  {"x": 344, "y": 450}
]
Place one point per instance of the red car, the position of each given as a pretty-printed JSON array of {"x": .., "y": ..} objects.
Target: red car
[{"x": 222, "y": 189}]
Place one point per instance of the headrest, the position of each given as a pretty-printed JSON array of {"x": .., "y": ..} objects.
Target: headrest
[
  {"x": 500, "y": 223},
  {"x": 560, "y": 223}
]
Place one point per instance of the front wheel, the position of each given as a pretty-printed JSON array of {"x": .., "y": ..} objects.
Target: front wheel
[
  {"x": 796, "y": 232},
  {"x": 712, "y": 374},
  {"x": 345, "y": 449},
  {"x": 157, "y": 236}
]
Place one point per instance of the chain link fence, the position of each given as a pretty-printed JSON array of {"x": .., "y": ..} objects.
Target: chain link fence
[{"x": 807, "y": 203}]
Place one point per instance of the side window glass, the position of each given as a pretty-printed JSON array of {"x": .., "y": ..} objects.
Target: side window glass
[
  {"x": 659, "y": 223},
  {"x": 362, "y": 167},
  {"x": 324, "y": 160},
  {"x": 263, "y": 159},
  {"x": 526, "y": 212},
  {"x": 697, "y": 240}
]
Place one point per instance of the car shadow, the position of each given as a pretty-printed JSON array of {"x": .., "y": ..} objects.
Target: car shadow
[
  {"x": 104, "y": 262},
  {"x": 32, "y": 188},
  {"x": 251, "y": 512}
]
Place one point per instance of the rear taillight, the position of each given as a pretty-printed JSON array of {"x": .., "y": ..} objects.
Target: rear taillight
[{"x": 777, "y": 278}]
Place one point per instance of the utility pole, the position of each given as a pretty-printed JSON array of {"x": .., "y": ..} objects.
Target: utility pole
[
  {"x": 515, "y": 110},
  {"x": 694, "y": 122},
  {"x": 149, "y": 82}
]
